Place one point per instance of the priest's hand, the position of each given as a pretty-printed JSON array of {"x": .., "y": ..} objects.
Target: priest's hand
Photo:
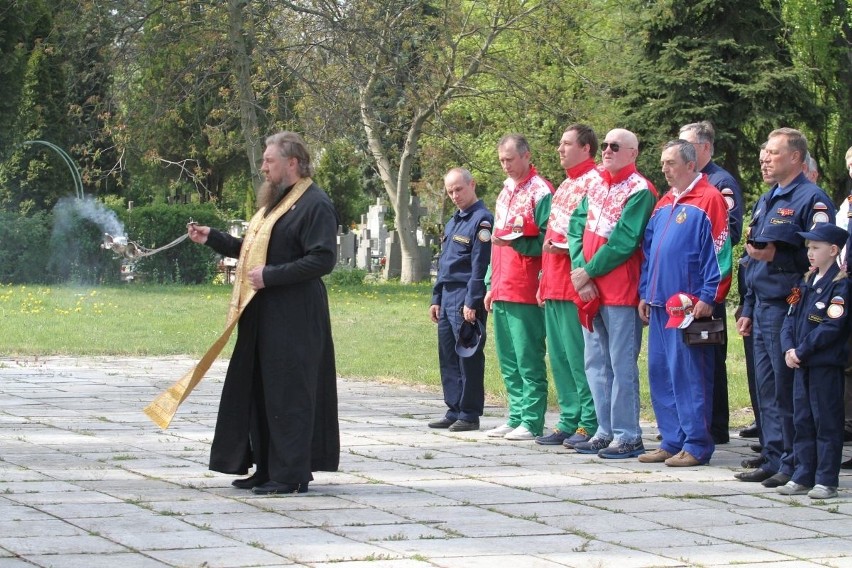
[
  {"x": 197, "y": 233},
  {"x": 256, "y": 277}
]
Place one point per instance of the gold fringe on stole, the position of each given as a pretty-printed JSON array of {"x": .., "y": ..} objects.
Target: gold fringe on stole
[{"x": 253, "y": 253}]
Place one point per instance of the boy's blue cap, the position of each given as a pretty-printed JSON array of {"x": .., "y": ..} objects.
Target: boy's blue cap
[
  {"x": 470, "y": 336},
  {"x": 827, "y": 233}
]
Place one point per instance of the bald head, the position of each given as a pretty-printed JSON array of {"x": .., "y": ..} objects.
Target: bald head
[
  {"x": 461, "y": 188},
  {"x": 619, "y": 149}
]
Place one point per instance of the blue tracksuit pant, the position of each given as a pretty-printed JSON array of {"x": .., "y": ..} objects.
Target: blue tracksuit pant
[{"x": 681, "y": 381}]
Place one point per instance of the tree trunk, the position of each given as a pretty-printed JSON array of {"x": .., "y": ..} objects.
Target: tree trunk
[
  {"x": 238, "y": 34},
  {"x": 410, "y": 263},
  {"x": 398, "y": 188}
]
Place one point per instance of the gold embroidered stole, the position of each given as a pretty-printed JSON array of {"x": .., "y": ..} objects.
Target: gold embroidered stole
[{"x": 253, "y": 253}]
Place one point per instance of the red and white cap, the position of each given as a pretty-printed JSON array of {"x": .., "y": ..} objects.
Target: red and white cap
[
  {"x": 517, "y": 227},
  {"x": 679, "y": 307}
]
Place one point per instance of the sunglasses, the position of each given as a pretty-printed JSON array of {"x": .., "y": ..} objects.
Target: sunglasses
[{"x": 614, "y": 146}]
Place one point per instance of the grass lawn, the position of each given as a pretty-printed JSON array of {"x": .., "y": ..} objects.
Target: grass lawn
[{"x": 381, "y": 331}]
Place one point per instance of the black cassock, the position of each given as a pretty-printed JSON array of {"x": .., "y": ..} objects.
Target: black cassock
[{"x": 279, "y": 402}]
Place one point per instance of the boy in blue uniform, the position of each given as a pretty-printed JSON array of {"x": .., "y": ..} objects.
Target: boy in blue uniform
[
  {"x": 457, "y": 297},
  {"x": 813, "y": 338}
]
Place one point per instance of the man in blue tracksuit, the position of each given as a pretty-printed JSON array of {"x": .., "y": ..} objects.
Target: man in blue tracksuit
[
  {"x": 778, "y": 258},
  {"x": 457, "y": 297},
  {"x": 702, "y": 135},
  {"x": 686, "y": 269}
]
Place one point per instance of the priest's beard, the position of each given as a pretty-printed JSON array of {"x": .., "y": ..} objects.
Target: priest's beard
[{"x": 269, "y": 194}]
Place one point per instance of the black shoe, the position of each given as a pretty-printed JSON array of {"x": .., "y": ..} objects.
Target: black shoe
[
  {"x": 756, "y": 448},
  {"x": 752, "y": 463},
  {"x": 463, "y": 426},
  {"x": 755, "y": 475},
  {"x": 720, "y": 439},
  {"x": 776, "y": 480},
  {"x": 442, "y": 423},
  {"x": 750, "y": 431},
  {"x": 250, "y": 482},
  {"x": 847, "y": 464},
  {"x": 278, "y": 488}
]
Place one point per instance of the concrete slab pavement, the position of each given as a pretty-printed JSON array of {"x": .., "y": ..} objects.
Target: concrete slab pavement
[{"x": 87, "y": 480}]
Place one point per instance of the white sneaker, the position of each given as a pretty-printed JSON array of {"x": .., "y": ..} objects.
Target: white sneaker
[
  {"x": 822, "y": 492},
  {"x": 520, "y": 434},
  {"x": 793, "y": 488},
  {"x": 499, "y": 431}
]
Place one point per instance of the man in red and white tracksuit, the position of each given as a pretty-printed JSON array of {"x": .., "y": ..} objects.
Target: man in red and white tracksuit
[
  {"x": 686, "y": 270},
  {"x": 520, "y": 220},
  {"x": 604, "y": 237},
  {"x": 577, "y": 420}
]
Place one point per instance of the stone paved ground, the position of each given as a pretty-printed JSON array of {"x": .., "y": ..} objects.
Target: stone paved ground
[{"x": 87, "y": 481}]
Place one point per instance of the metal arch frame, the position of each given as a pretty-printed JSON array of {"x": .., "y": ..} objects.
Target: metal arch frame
[{"x": 75, "y": 172}]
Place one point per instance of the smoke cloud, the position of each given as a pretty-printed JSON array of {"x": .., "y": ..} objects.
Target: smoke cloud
[
  {"x": 69, "y": 209},
  {"x": 78, "y": 229}
]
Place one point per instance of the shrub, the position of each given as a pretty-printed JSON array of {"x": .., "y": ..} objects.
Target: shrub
[
  {"x": 153, "y": 226},
  {"x": 24, "y": 248},
  {"x": 344, "y": 276}
]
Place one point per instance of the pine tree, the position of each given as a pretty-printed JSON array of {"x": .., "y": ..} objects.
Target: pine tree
[{"x": 720, "y": 60}]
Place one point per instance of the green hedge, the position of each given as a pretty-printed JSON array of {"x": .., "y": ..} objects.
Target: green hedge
[
  {"x": 153, "y": 226},
  {"x": 24, "y": 248},
  {"x": 65, "y": 244}
]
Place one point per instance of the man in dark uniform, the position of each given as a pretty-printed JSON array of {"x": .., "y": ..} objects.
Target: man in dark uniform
[
  {"x": 778, "y": 258},
  {"x": 279, "y": 402},
  {"x": 457, "y": 300},
  {"x": 703, "y": 136}
]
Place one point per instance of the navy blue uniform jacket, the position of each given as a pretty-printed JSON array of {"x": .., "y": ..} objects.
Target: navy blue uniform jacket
[{"x": 817, "y": 325}]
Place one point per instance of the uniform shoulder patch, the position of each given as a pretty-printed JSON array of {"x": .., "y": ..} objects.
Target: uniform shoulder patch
[
  {"x": 820, "y": 217},
  {"x": 820, "y": 206},
  {"x": 485, "y": 224},
  {"x": 835, "y": 311},
  {"x": 484, "y": 235}
]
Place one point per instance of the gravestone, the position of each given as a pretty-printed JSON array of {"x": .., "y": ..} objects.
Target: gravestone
[
  {"x": 345, "y": 248},
  {"x": 375, "y": 224},
  {"x": 393, "y": 257},
  {"x": 364, "y": 255},
  {"x": 393, "y": 248}
]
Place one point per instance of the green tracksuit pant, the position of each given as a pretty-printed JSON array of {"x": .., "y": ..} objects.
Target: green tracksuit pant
[
  {"x": 519, "y": 340},
  {"x": 565, "y": 349}
]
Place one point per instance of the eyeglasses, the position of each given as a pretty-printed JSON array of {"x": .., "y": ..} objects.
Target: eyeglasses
[{"x": 614, "y": 146}]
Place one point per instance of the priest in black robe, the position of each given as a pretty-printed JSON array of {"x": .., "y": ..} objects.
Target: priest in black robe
[{"x": 278, "y": 409}]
